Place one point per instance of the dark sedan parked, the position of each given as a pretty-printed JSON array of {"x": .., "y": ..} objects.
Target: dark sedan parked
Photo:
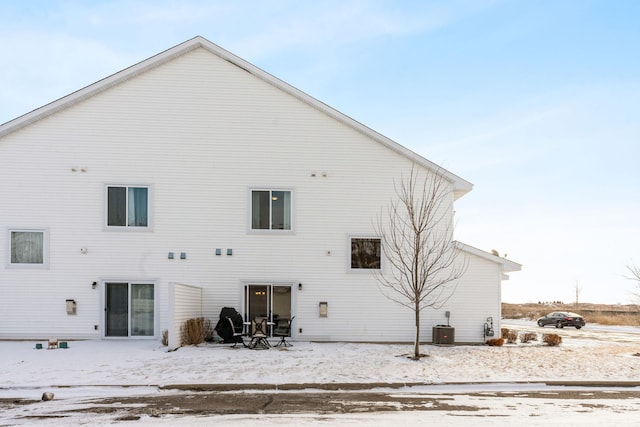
[{"x": 560, "y": 319}]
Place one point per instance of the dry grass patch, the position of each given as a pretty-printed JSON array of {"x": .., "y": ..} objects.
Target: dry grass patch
[
  {"x": 195, "y": 331},
  {"x": 618, "y": 319},
  {"x": 528, "y": 337},
  {"x": 552, "y": 339},
  {"x": 604, "y": 314},
  {"x": 511, "y": 336}
]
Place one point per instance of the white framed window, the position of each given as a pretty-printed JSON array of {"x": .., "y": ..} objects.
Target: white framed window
[
  {"x": 365, "y": 253},
  {"x": 271, "y": 209},
  {"x": 127, "y": 206},
  {"x": 28, "y": 248}
]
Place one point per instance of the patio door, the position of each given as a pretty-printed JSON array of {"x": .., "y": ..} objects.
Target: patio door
[
  {"x": 129, "y": 309},
  {"x": 272, "y": 301}
]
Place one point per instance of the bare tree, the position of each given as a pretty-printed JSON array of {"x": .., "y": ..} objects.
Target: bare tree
[
  {"x": 416, "y": 232},
  {"x": 578, "y": 290},
  {"x": 635, "y": 276}
]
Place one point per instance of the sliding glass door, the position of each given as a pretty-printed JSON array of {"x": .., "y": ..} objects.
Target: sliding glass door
[
  {"x": 272, "y": 301},
  {"x": 129, "y": 309},
  {"x": 117, "y": 310}
]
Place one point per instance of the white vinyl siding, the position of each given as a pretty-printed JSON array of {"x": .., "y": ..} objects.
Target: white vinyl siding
[
  {"x": 185, "y": 302},
  {"x": 204, "y": 131}
]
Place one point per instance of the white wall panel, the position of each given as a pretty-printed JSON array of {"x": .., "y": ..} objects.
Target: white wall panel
[
  {"x": 185, "y": 302},
  {"x": 200, "y": 132}
]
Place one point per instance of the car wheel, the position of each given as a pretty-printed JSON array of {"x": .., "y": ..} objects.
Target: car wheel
[
  {"x": 559, "y": 324},
  {"x": 578, "y": 327},
  {"x": 540, "y": 323}
]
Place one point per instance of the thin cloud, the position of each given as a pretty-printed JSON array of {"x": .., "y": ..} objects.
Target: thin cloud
[
  {"x": 322, "y": 26},
  {"x": 65, "y": 45},
  {"x": 46, "y": 66}
]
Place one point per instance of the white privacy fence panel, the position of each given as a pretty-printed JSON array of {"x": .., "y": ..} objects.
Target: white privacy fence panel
[{"x": 185, "y": 302}]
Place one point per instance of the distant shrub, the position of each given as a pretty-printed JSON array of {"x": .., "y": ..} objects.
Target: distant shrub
[
  {"x": 512, "y": 336},
  {"x": 552, "y": 339},
  {"x": 495, "y": 342},
  {"x": 504, "y": 332},
  {"x": 528, "y": 336}
]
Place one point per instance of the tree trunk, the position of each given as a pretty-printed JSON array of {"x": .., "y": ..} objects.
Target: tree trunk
[{"x": 416, "y": 344}]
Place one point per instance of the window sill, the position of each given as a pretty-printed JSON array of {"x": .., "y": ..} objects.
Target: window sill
[{"x": 272, "y": 232}]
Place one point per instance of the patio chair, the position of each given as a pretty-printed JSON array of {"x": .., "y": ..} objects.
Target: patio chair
[
  {"x": 283, "y": 330},
  {"x": 238, "y": 333},
  {"x": 259, "y": 334}
]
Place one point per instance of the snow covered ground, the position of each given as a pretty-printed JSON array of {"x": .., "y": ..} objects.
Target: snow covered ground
[{"x": 89, "y": 369}]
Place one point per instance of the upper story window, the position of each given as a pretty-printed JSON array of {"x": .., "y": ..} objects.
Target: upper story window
[
  {"x": 365, "y": 253},
  {"x": 127, "y": 206},
  {"x": 28, "y": 248},
  {"x": 270, "y": 210}
]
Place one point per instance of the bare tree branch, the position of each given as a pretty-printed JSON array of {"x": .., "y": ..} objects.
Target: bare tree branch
[
  {"x": 416, "y": 231},
  {"x": 635, "y": 273},
  {"x": 635, "y": 276}
]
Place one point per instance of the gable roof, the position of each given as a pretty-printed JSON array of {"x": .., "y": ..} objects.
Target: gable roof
[
  {"x": 460, "y": 186},
  {"x": 507, "y": 265}
]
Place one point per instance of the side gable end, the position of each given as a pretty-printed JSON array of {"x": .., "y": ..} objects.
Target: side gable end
[{"x": 459, "y": 185}]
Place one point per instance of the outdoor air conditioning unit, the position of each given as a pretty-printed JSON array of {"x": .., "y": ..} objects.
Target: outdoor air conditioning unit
[{"x": 443, "y": 334}]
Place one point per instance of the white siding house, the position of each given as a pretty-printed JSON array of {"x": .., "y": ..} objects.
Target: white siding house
[{"x": 198, "y": 170}]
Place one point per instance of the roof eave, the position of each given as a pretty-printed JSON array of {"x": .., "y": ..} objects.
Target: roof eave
[
  {"x": 507, "y": 265},
  {"x": 98, "y": 87},
  {"x": 460, "y": 186}
]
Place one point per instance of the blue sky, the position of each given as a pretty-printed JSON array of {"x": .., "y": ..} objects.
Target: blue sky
[{"x": 536, "y": 102}]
